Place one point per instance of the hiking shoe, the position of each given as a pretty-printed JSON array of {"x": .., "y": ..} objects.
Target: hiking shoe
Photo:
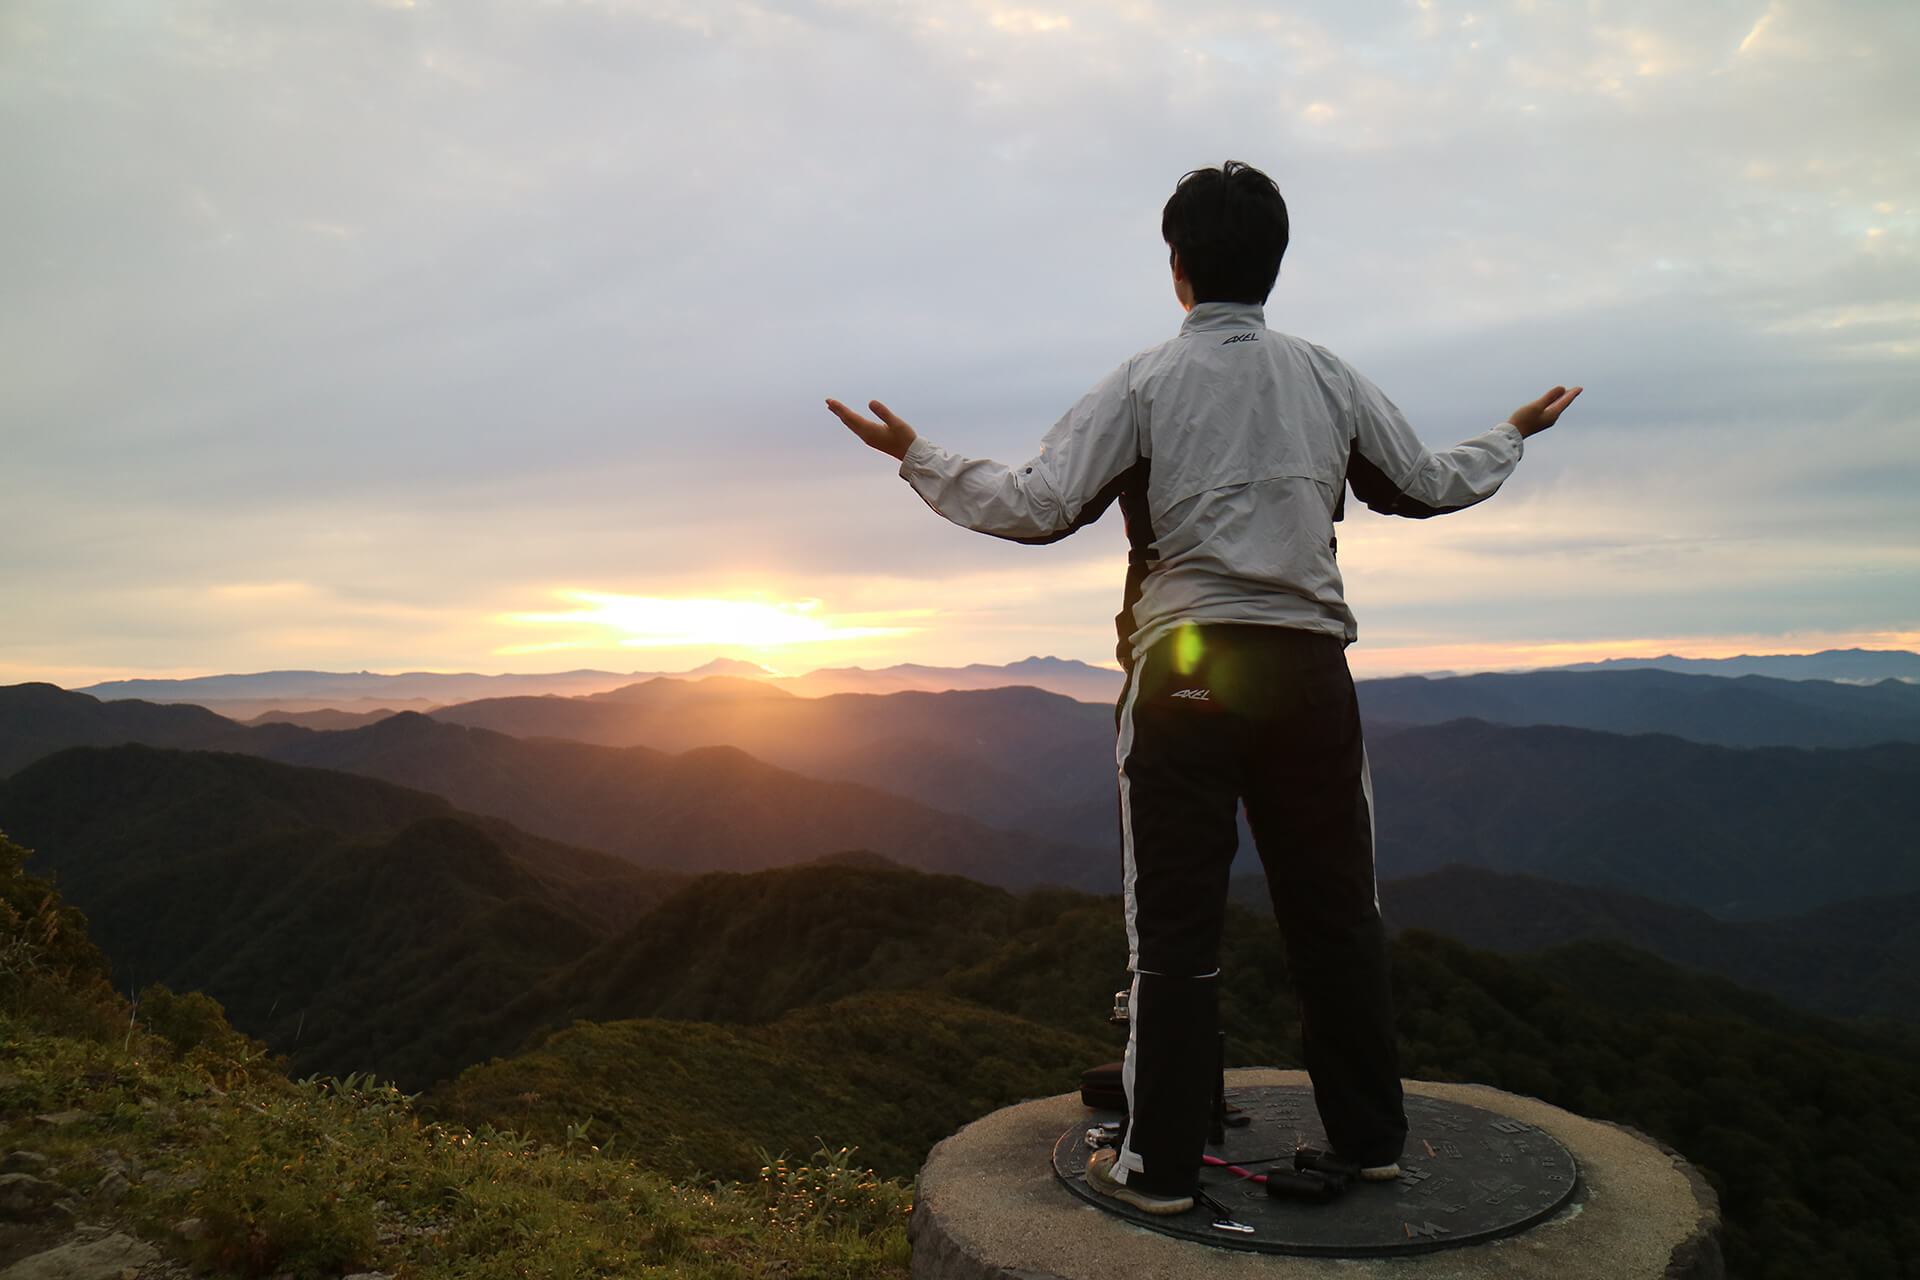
[
  {"x": 1100, "y": 1178},
  {"x": 1326, "y": 1162}
]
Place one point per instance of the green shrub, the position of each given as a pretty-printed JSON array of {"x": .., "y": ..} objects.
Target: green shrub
[
  {"x": 49, "y": 968},
  {"x": 193, "y": 1029}
]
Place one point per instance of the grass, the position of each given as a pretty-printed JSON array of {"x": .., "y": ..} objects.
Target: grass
[{"x": 320, "y": 1178}]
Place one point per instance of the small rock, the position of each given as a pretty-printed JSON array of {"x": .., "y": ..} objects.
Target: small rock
[
  {"x": 105, "y": 1259},
  {"x": 24, "y": 1197},
  {"x": 114, "y": 1186},
  {"x": 129, "y": 1273},
  {"x": 23, "y": 1162},
  {"x": 60, "y": 1119},
  {"x": 190, "y": 1228}
]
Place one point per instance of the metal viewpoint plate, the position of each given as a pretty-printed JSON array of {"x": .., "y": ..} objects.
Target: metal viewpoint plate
[{"x": 1467, "y": 1175}]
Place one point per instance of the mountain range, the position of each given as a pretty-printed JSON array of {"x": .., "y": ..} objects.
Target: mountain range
[
  {"x": 354, "y": 923},
  {"x": 458, "y": 899},
  {"x": 1036, "y": 761},
  {"x": 1740, "y": 833},
  {"x": 708, "y": 809},
  {"x": 997, "y": 755}
]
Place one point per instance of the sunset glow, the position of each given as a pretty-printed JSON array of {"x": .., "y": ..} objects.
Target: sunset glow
[{"x": 657, "y": 622}]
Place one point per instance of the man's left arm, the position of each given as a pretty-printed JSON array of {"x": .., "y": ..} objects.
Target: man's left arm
[
  {"x": 1395, "y": 474},
  {"x": 1075, "y": 476}
]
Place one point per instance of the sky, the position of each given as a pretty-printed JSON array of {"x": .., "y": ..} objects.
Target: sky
[{"x": 494, "y": 336}]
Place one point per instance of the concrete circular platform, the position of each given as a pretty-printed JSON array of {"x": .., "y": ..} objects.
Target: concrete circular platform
[
  {"x": 1468, "y": 1174},
  {"x": 989, "y": 1207}
]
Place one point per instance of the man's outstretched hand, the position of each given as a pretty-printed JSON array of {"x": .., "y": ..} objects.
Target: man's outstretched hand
[
  {"x": 1533, "y": 417},
  {"x": 889, "y": 435}
]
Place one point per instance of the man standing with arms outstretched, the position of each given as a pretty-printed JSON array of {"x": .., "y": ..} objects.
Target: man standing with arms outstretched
[{"x": 1229, "y": 450}]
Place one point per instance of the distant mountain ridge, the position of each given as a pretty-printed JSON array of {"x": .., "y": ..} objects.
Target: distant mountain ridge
[
  {"x": 244, "y": 697},
  {"x": 1068, "y": 677},
  {"x": 1850, "y": 665},
  {"x": 1735, "y": 711}
]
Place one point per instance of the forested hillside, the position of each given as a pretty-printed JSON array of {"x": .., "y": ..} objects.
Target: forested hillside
[
  {"x": 1784, "y": 1109},
  {"x": 1801, "y": 1124},
  {"x": 1739, "y": 833},
  {"x": 887, "y": 1072},
  {"x": 349, "y": 923},
  {"x": 1856, "y": 960}
]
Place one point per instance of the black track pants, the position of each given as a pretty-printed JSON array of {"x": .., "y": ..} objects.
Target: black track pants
[{"x": 1213, "y": 717}]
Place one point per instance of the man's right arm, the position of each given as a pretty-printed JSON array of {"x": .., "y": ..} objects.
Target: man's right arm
[{"x": 1068, "y": 485}]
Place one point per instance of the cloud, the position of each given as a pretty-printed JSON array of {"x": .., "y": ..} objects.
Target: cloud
[{"x": 446, "y": 305}]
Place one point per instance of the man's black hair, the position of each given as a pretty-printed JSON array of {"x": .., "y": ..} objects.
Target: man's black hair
[{"x": 1229, "y": 226}]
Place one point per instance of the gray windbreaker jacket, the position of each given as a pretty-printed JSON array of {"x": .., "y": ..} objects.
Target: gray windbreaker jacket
[{"x": 1229, "y": 449}]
